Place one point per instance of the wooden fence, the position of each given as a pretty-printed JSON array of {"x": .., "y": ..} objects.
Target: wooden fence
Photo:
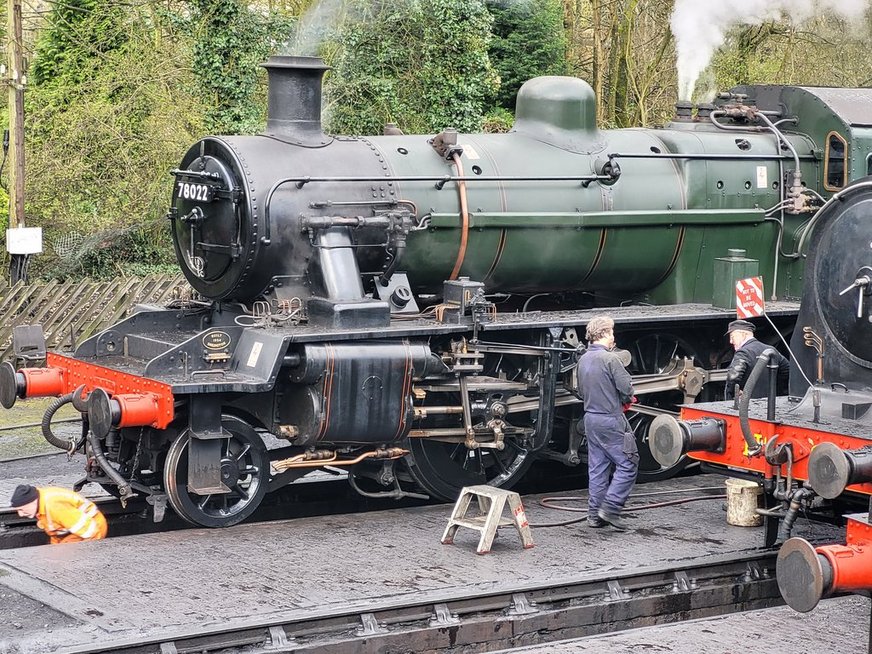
[{"x": 70, "y": 312}]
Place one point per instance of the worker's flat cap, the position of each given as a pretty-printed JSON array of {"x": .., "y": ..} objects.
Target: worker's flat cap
[
  {"x": 744, "y": 325},
  {"x": 24, "y": 494}
]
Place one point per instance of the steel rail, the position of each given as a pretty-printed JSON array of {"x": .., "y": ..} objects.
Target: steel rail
[
  {"x": 578, "y": 605},
  {"x": 108, "y": 505}
]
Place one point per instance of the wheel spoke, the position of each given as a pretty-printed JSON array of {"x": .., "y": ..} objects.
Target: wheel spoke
[
  {"x": 479, "y": 457},
  {"x": 499, "y": 461},
  {"x": 243, "y": 452},
  {"x": 640, "y": 357},
  {"x": 244, "y": 457},
  {"x": 674, "y": 352}
]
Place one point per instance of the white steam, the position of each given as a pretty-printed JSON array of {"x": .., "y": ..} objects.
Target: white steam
[
  {"x": 315, "y": 26},
  {"x": 700, "y": 26}
]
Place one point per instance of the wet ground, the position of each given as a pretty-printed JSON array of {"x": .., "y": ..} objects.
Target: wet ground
[
  {"x": 295, "y": 569},
  {"x": 20, "y": 431}
]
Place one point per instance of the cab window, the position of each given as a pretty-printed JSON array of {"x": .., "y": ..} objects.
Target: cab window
[{"x": 835, "y": 162}]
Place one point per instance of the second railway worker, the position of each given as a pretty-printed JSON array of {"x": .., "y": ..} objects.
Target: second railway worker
[
  {"x": 748, "y": 348},
  {"x": 605, "y": 387},
  {"x": 64, "y": 515}
]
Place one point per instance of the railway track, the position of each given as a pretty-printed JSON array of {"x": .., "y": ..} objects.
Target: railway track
[
  {"x": 323, "y": 495},
  {"x": 327, "y": 496},
  {"x": 481, "y": 621}
]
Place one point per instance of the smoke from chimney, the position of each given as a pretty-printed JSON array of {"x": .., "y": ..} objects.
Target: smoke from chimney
[{"x": 700, "y": 27}]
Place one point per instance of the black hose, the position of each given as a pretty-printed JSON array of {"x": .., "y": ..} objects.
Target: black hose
[
  {"x": 123, "y": 485},
  {"x": 628, "y": 509},
  {"x": 792, "y": 513},
  {"x": 60, "y": 443},
  {"x": 754, "y": 448},
  {"x": 86, "y": 427},
  {"x": 385, "y": 277}
]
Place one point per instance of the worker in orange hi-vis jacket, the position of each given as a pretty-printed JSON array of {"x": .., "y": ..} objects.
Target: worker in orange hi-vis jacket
[{"x": 64, "y": 515}]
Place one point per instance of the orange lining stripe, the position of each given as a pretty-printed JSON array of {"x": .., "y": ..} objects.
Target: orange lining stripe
[
  {"x": 678, "y": 245},
  {"x": 407, "y": 388},
  {"x": 328, "y": 390},
  {"x": 500, "y": 247},
  {"x": 598, "y": 257}
]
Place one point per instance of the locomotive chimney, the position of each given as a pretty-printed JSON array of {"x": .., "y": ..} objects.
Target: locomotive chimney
[
  {"x": 683, "y": 110},
  {"x": 295, "y": 99},
  {"x": 704, "y": 110}
]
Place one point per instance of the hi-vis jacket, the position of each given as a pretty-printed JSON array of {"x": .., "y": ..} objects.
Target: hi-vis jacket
[{"x": 67, "y": 517}]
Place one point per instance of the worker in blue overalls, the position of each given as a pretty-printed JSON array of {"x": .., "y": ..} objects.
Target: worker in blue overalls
[{"x": 606, "y": 388}]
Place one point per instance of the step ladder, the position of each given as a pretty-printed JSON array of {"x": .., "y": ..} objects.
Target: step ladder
[{"x": 491, "y": 502}]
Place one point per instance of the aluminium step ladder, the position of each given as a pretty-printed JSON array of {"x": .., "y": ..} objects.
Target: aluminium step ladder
[{"x": 491, "y": 503}]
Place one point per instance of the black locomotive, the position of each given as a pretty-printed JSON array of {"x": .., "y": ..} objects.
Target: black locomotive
[{"x": 408, "y": 307}]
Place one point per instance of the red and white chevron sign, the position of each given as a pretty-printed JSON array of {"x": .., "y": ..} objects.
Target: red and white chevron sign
[{"x": 749, "y": 297}]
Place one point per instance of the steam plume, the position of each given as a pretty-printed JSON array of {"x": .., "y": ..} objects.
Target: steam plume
[
  {"x": 315, "y": 26},
  {"x": 700, "y": 26}
]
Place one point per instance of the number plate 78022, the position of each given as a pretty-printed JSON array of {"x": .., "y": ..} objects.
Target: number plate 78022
[{"x": 195, "y": 192}]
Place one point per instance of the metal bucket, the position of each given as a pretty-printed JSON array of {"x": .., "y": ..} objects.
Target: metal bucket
[{"x": 743, "y": 498}]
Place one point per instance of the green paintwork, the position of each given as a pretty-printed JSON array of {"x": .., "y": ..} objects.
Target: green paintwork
[
  {"x": 727, "y": 271},
  {"x": 652, "y": 236}
]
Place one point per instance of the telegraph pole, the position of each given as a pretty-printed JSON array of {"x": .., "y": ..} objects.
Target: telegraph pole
[{"x": 15, "y": 79}]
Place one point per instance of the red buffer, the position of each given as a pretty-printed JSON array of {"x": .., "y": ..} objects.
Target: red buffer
[
  {"x": 115, "y": 399},
  {"x": 806, "y": 574}
]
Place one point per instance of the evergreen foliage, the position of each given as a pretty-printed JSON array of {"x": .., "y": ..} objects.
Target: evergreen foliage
[
  {"x": 422, "y": 64},
  {"x": 104, "y": 127},
  {"x": 230, "y": 41},
  {"x": 77, "y": 31},
  {"x": 528, "y": 41}
]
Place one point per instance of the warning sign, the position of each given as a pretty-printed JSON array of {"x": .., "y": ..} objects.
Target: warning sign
[{"x": 749, "y": 297}]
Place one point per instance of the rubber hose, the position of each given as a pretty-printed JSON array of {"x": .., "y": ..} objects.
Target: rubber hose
[
  {"x": 123, "y": 485},
  {"x": 627, "y": 509},
  {"x": 786, "y": 526},
  {"x": 80, "y": 405},
  {"x": 754, "y": 447},
  {"x": 60, "y": 443},
  {"x": 385, "y": 277},
  {"x": 86, "y": 426}
]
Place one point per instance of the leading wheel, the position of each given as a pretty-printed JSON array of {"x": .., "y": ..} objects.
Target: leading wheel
[
  {"x": 443, "y": 469},
  {"x": 244, "y": 470},
  {"x": 652, "y": 353}
]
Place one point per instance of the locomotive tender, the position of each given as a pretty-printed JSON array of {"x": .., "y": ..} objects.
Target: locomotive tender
[{"x": 407, "y": 307}]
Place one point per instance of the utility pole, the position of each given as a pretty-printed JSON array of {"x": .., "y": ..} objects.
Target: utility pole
[{"x": 20, "y": 241}]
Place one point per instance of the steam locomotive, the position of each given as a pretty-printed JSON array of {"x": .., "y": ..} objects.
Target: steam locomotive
[
  {"x": 812, "y": 450},
  {"x": 407, "y": 308}
]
